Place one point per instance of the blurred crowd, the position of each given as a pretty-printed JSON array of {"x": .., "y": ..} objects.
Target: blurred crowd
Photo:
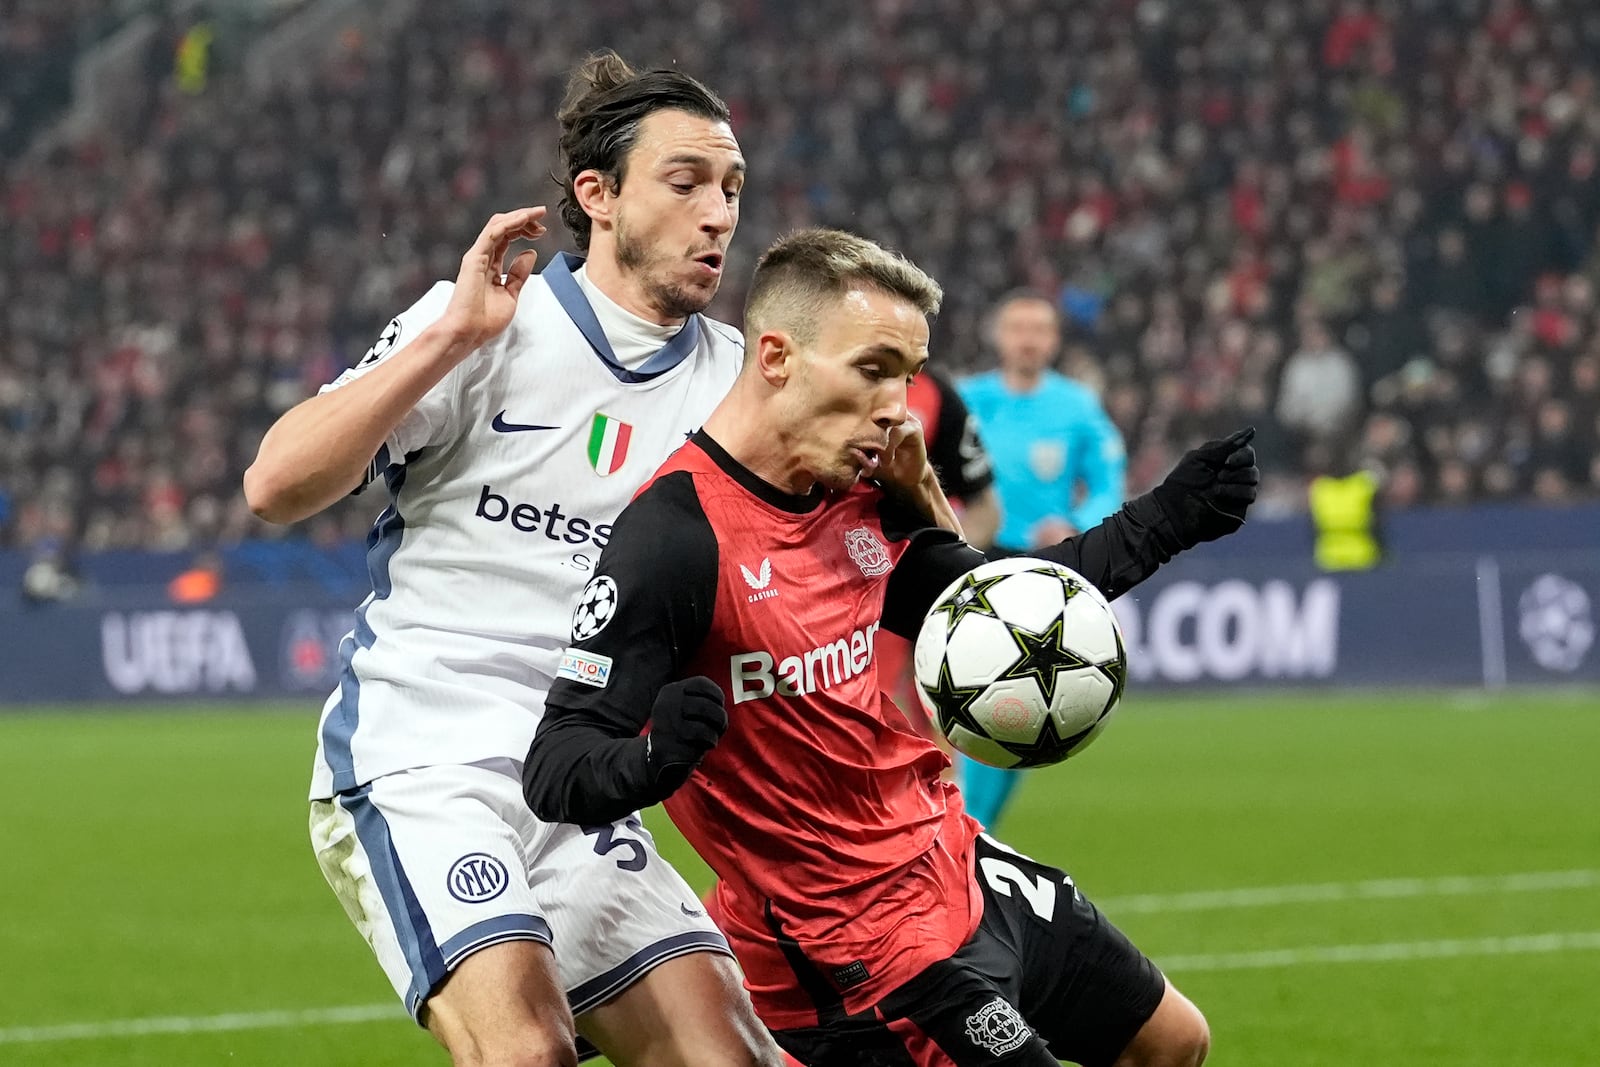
[{"x": 1367, "y": 227}]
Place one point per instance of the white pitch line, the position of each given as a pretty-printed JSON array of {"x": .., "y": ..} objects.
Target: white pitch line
[
  {"x": 201, "y": 1024},
  {"x": 1261, "y": 896},
  {"x": 1385, "y": 952},
  {"x": 1377, "y": 889}
]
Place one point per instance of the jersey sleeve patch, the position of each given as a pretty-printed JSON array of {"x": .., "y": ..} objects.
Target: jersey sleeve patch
[
  {"x": 586, "y": 668},
  {"x": 596, "y": 607}
]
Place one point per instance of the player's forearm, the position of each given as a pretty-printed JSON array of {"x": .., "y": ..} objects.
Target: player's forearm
[
  {"x": 1123, "y": 550},
  {"x": 577, "y": 773},
  {"x": 318, "y": 451},
  {"x": 1115, "y": 556}
]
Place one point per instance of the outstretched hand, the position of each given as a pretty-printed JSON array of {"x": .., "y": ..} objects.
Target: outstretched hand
[
  {"x": 485, "y": 299},
  {"x": 1208, "y": 493}
]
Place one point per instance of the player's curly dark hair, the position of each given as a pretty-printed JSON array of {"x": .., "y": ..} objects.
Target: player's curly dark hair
[{"x": 599, "y": 118}]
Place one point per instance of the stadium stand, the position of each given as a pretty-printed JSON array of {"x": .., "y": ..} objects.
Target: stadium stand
[{"x": 1245, "y": 210}]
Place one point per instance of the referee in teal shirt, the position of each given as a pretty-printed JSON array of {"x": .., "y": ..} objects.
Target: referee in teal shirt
[{"x": 1059, "y": 466}]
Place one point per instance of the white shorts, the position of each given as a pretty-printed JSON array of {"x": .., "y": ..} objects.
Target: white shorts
[{"x": 435, "y": 863}]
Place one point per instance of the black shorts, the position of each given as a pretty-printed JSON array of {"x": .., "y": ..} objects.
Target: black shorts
[{"x": 1045, "y": 978}]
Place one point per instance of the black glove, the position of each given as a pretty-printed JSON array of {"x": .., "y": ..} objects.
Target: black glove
[
  {"x": 687, "y": 720},
  {"x": 1208, "y": 492}
]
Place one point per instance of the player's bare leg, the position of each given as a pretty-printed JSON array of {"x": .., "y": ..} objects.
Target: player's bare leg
[
  {"x": 504, "y": 1006},
  {"x": 688, "y": 1012},
  {"x": 1175, "y": 1036}
]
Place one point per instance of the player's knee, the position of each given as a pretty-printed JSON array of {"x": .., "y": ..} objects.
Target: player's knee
[
  {"x": 530, "y": 1047},
  {"x": 751, "y": 1051},
  {"x": 1187, "y": 1040},
  {"x": 531, "y": 1044},
  {"x": 1192, "y": 1040},
  {"x": 1178, "y": 1036}
]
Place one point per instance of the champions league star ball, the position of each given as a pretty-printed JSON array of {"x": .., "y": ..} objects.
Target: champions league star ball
[{"x": 1020, "y": 663}]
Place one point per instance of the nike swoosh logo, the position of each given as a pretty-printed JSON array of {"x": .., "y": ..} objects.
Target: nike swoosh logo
[
  {"x": 501, "y": 425},
  {"x": 691, "y": 912}
]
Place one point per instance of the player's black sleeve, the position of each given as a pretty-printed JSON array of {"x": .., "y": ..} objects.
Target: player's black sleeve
[
  {"x": 1114, "y": 556},
  {"x": 954, "y": 447},
  {"x": 588, "y": 763}
]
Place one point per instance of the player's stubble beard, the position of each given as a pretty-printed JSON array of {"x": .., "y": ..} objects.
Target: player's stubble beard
[
  {"x": 836, "y": 470},
  {"x": 674, "y": 300}
]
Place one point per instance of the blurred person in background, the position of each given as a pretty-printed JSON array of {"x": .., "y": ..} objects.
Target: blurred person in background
[
  {"x": 512, "y": 416},
  {"x": 1059, "y": 466},
  {"x": 1344, "y": 511},
  {"x": 1320, "y": 395}
]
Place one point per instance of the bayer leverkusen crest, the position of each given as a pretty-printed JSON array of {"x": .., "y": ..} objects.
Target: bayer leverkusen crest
[
  {"x": 608, "y": 444},
  {"x": 868, "y": 552}
]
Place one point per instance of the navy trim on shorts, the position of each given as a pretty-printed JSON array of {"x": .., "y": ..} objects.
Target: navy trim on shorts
[
  {"x": 598, "y": 990},
  {"x": 501, "y": 928},
  {"x": 410, "y": 922}
]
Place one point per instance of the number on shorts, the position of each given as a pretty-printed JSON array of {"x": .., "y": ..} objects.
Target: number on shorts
[
  {"x": 607, "y": 840},
  {"x": 1001, "y": 875}
]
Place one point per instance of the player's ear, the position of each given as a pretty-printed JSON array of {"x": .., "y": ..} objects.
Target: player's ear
[
  {"x": 595, "y": 195},
  {"x": 774, "y": 356}
]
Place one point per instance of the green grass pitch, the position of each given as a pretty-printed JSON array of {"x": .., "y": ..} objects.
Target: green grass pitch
[{"x": 1355, "y": 879}]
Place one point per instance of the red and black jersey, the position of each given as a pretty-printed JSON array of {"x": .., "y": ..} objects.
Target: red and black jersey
[
  {"x": 844, "y": 859},
  {"x": 954, "y": 446}
]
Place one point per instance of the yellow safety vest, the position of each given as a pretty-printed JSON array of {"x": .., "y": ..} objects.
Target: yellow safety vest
[
  {"x": 1341, "y": 510},
  {"x": 193, "y": 63}
]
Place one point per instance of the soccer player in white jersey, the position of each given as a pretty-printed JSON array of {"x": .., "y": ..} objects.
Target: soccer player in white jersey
[{"x": 512, "y": 416}]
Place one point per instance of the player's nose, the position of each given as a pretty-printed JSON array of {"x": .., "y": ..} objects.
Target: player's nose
[
  {"x": 717, "y": 218},
  {"x": 892, "y": 409}
]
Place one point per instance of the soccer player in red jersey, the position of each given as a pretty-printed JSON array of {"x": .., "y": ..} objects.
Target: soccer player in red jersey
[{"x": 733, "y": 613}]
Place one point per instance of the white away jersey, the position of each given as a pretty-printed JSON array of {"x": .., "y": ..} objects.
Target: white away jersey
[{"x": 503, "y": 483}]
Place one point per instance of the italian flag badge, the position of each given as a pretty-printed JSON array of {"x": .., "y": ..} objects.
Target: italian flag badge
[{"x": 608, "y": 444}]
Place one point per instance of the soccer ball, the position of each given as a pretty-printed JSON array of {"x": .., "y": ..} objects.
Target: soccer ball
[{"x": 1020, "y": 663}]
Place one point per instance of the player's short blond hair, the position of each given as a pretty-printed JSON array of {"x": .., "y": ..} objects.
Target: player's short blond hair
[{"x": 800, "y": 275}]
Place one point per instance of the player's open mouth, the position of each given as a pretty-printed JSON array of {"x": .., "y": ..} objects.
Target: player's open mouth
[
  {"x": 711, "y": 261},
  {"x": 867, "y": 458}
]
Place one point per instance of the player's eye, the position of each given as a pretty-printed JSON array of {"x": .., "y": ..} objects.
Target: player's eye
[
  {"x": 732, "y": 194},
  {"x": 683, "y": 187}
]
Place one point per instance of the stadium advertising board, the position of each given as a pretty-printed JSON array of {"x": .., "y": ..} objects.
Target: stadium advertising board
[
  {"x": 1447, "y": 620},
  {"x": 1456, "y": 620}
]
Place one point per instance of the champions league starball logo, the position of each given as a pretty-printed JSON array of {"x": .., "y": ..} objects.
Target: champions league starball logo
[
  {"x": 595, "y": 607},
  {"x": 1557, "y": 622},
  {"x": 384, "y": 345}
]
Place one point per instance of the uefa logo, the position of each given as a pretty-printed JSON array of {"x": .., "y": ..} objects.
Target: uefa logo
[{"x": 476, "y": 877}]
